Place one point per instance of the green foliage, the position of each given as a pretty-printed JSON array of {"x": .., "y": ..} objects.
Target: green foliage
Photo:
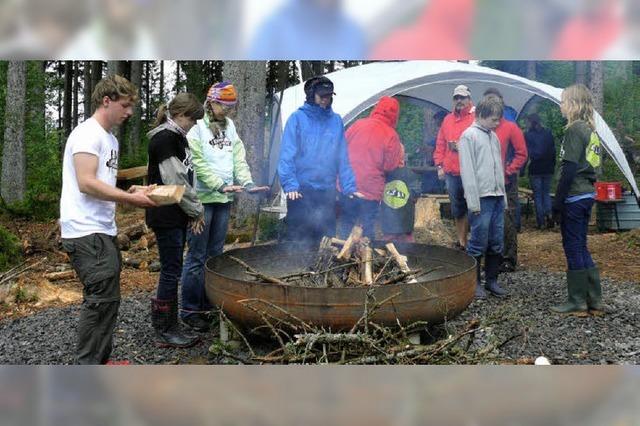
[
  {"x": 10, "y": 252},
  {"x": 44, "y": 167},
  {"x": 269, "y": 227},
  {"x": 25, "y": 295},
  {"x": 411, "y": 128}
]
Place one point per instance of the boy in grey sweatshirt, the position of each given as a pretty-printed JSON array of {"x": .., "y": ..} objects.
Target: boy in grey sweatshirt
[{"x": 483, "y": 182}]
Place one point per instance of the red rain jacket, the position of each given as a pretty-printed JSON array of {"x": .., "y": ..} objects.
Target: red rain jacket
[
  {"x": 452, "y": 127},
  {"x": 508, "y": 132},
  {"x": 374, "y": 147}
]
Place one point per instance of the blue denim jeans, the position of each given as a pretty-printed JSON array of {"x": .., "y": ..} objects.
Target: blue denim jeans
[
  {"x": 487, "y": 228},
  {"x": 574, "y": 227},
  {"x": 171, "y": 249},
  {"x": 355, "y": 210},
  {"x": 541, "y": 185},
  {"x": 456, "y": 196},
  {"x": 209, "y": 242}
]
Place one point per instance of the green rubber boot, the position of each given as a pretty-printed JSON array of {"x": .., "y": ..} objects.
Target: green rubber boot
[
  {"x": 594, "y": 291},
  {"x": 577, "y": 284}
]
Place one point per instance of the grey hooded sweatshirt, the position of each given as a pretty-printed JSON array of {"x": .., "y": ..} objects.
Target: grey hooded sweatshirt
[{"x": 480, "y": 166}]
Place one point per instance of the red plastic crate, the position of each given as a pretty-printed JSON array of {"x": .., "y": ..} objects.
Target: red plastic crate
[{"x": 608, "y": 191}]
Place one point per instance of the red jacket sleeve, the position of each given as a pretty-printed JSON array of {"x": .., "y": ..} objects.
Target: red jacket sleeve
[
  {"x": 520, "y": 149},
  {"x": 441, "y": 148},
  {"x": 392, "y": 154}
]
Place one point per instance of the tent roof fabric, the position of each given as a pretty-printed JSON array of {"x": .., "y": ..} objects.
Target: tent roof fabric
[{"x": 359, "y": 88}]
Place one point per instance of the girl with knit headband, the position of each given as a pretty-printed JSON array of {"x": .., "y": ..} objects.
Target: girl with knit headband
[{"x": 221, "y": 169}]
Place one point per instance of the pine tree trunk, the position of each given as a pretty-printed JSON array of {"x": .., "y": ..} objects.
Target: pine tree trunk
[
  {"x": 147, "y": 90},
  {"x": 161, "y": 81},
  {"x": 194, "y": 78},
  {"x": 596, "y": 85},
  {"x": 76, "y": 94},
  {"x": 60, "y": 70},
  {"x": 311, "y": 69},
  {"x": 178, "y": 81},
  {"x": 249, "y": 78},
  {"x": 87, "y": 89},
  {"x": 67, "y": 99},
  {"x": 13, "y": 185},
  {"x": 112, "y": 67},
  {"x": 136, "y": 119},
  {"x": 96, "y": 74},
  {"x": 581, "y": 72}
]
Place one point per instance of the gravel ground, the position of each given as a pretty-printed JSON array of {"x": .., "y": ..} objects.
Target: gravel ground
[{"x": 524, "y": 323}]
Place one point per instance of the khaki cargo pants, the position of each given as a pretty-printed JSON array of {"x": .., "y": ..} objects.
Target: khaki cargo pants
[{"x": 96, "y": 259}]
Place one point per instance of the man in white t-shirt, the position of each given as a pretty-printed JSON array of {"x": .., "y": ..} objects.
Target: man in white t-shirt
[{"x": 87, "y": 214}]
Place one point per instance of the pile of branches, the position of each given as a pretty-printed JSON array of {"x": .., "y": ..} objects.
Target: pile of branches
[
  {"x": 348, "y": 263},
  {"x": 366, "y": 342}
]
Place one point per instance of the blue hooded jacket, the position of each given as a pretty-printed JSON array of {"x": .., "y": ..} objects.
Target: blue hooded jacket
[{"x": 313, "y": 151}]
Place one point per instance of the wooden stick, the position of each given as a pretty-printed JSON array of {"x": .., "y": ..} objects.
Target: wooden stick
[
  {"x": 367, "y": 255},
  {"x": 256, "y": 273},
  {"x": 338, "y": 241},
  {"x": 64, "y": 275},
  {"x": 354, "y": 237},
  {"x": 400, "y": 260},
  {"x": 7, "y": 277},
  {"x": 380, "y": 252}
]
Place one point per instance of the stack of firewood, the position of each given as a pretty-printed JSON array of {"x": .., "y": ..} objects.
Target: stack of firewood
[
  {"x": 135, "y": 241},
  {"x": 348, "y": 263}
]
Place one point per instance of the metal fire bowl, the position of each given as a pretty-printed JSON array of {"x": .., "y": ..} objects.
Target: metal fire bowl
[{"x": 440, "y": 295}]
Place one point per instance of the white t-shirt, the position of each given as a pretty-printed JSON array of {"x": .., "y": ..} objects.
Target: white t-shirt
[{"x": 82, "y": 214}]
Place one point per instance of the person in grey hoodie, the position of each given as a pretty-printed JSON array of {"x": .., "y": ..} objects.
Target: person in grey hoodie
[{"x": 482, "y": 177}]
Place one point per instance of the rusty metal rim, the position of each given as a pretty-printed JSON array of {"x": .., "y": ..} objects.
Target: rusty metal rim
[
  {"x": 206, "y": 266},
  {"x": 398, "y": 302}
]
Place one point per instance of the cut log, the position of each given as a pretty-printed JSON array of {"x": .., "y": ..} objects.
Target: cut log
[
  {"x": 367, "y": 256},
  {"x": 135, "y": 263},
  {"x": 354, "y": 237},
  {"x": 400, "y": 260},
  {"x": 337, "y": 242},
  {"x": 145, "y": 242},
  {"x": 123, "y": 242},
  {"x": 58, "y": 276},
  {"x": 165, "y": 195},
  {"x": 132, "y": 173},
  {"x": 135, "y": 231},
  {"x": 381, "y": 252}
]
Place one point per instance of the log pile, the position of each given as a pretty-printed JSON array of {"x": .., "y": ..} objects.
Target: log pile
[
  {"x": 347, "y": 263},
  {"x": 135, "y": 241}
]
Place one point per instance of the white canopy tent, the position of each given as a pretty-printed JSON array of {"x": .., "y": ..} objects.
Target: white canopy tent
[{"x": 359, "y": 88}]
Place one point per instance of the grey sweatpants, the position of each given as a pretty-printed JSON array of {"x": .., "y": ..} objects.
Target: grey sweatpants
[{"x": 96, "y": 259}]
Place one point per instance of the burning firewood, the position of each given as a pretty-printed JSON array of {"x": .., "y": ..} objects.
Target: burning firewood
[
  {"x": 400, "y": 260},
  {"x": 354, "y": 237}
]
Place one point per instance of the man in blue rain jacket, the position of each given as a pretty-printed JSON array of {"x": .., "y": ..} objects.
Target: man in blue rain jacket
[{"x": 313, "y": 159}]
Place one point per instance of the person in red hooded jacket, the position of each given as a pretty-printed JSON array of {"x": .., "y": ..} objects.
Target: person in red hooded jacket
[
  {"x": 446, "y": 159},
  {"x": 374, "y": 149}
]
